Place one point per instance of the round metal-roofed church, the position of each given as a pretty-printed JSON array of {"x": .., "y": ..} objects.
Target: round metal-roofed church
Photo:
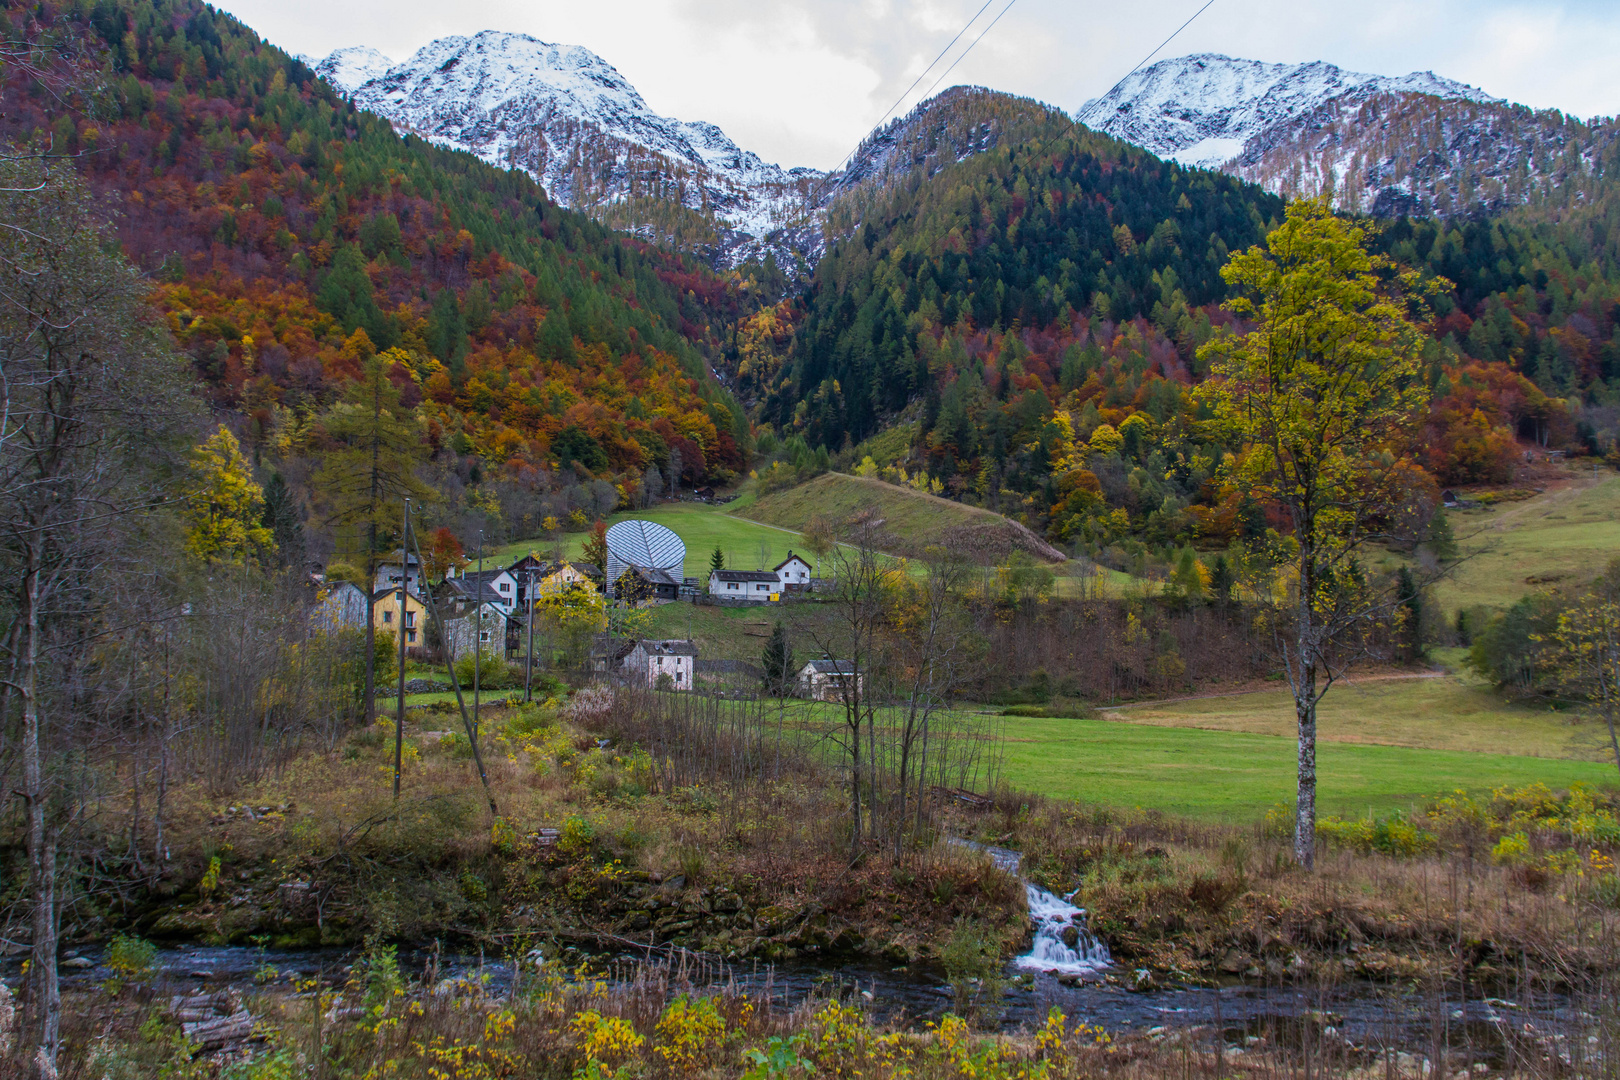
[{"x": 646, "y": 544}]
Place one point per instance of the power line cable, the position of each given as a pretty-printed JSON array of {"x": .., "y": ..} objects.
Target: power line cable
[
  {"x": 1157, "y": 50},
  {"x": 923, "y": 74},
  {"x": 848, "y": 158},
  {"x": 969, "y": 49},
  {"x": 1121, "y": 81}
]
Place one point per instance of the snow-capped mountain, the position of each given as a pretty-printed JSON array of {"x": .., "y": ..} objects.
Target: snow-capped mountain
[
  {"x": 1416, "y": 144},
  {"x": 347, "y": 69},
  {"x": 1202, "y": 110},
  {"x": 570, "y": 119}
]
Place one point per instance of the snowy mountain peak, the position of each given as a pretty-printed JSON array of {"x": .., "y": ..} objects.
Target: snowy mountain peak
[
  {"x": 570, "y": 119},
  {"x": 348, "y": 68},
  {"x": 1202, "y": 109}
]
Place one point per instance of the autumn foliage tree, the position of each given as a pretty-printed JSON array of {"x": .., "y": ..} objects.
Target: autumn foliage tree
[
  {"x": 224, "y": 505},
  {"x": 1323, "y": 395}
]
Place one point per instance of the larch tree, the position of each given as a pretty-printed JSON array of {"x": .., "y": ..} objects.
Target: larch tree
[
  {"x": 369, "y": 449},
  {"x": 595, "y": 549},
  {"x": 224, "y": 505},
  {"x": 1323, "y": 393}
]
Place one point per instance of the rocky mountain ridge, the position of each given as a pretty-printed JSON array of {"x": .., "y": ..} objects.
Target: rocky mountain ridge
[
  {"x": 1418, "y": 144},
  {"x": 570, "y": 119}
]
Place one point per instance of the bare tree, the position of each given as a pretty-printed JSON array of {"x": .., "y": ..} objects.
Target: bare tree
[
  {"x": 92, "y": 398},
  {"x": 860, "y": 600},
  {"x": 933, "y": 658}
]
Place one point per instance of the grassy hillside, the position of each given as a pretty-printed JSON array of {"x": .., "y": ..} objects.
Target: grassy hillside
[
  {"x": 748, "y": 545},
  {"x": 1567, "y": 533},
  {"x": 916, "y": 518}
]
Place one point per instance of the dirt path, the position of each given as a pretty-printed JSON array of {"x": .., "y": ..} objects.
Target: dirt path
[{"x": 1245, "y": 693}]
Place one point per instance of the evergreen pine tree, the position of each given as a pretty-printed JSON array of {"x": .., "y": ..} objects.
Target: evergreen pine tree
[
  {"x": 1221, "y": 580},
  {"x": 717, "y": 559},
  {"x": 778, "y": 661}
]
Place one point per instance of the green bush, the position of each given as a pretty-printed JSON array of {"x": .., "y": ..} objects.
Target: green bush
[
  {"x": 1393, "y": 835},
  {"x": 131, "y": 960},
  {"x": 493, "y": 673}
]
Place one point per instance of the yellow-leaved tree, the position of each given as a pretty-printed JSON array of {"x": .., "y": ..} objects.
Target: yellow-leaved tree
[
  {"x": 1586, "y": 650},
  {"x": 224, "y": 505},
  {"x": 1323, "y": 394}
]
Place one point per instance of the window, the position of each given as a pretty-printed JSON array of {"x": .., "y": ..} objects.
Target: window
[
  {"x": 388, "y": 617},
  {"x": 731, "y": 585},
  {"x": 505, "y": 587},
  {"x": 410, "y": 620},
  {"x": 410, "y": 636},
  {"x": 483, "y": 635}
]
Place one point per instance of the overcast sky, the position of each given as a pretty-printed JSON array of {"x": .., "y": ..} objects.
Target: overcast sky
[{"x": 801, "y": 82}]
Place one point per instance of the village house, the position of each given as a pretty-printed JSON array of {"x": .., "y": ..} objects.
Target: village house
[
  {"x": 501, "y": 585},
  {"x": 485, "y": 630},
  {"x": 793, "y": 573},
  {"x": 530, "y": 565},
  {"x": 340, "y": 605},
  {"x": 399, "y": 567},
  {"x": 385, "y": 616},
  {"x": 652, "y": 660},
  {"x": 829, "y": 680},
  {"x": 755, "y": 586}
]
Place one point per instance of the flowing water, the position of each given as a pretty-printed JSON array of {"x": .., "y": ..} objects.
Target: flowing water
[
  {"x": 1063, "y": 944},
  {"x": 1066, "y": 967}
]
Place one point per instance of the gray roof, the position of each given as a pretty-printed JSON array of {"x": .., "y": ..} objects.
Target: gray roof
[
  {"x": 745, "y": 575},
  {"x": 655, "y": 575},
  {"x": 472, "y": 590},
  {"x": 830, "y": 667},
  {"x": 669, "y": 647}
]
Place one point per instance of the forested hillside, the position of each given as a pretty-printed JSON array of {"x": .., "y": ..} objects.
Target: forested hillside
[
  {"x": 1037, "y": 311},
  {"x": 291, "y": 237}
]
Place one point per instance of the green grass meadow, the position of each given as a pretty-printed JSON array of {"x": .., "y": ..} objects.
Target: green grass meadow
[{"x": 1237, "y": 776}]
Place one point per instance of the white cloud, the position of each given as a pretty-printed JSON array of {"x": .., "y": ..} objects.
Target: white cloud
[{"x": 801, "y": 82}]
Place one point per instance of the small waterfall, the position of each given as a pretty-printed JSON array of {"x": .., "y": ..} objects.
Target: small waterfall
[{"x": 1062, "y": 942}]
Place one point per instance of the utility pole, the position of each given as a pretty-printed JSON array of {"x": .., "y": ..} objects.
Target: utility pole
[
  {"x": 528, "y": 617},
  {"x": 399, "y": 700}
]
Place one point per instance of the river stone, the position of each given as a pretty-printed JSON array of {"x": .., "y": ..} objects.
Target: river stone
[
  {"x": 1071, "y": 936},
  {"x": 78, "y": 963},
  {"x": 1233, "y": 962}
]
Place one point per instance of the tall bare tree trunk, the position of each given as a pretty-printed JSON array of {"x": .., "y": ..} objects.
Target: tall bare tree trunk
[{"x": 44, "y": 1019}]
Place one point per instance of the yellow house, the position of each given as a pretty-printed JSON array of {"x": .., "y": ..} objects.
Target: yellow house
[
  {"x": 385, "y": 616},
  {"x": 566, "y": 575}
]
